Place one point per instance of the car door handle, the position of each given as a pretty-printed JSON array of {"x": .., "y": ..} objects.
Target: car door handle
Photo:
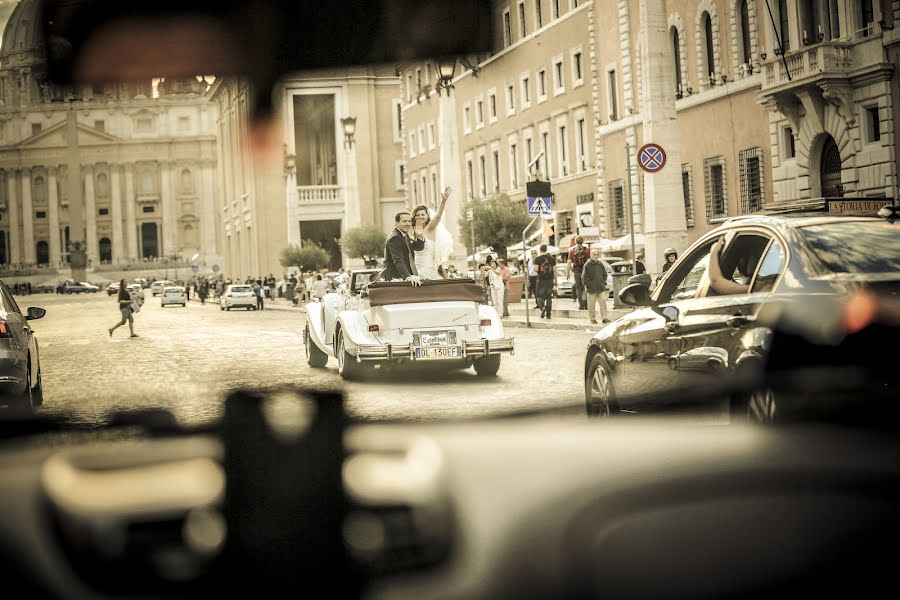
[
  {"x": 738, "y": 321},
  {"x": 26, "y": 329}
]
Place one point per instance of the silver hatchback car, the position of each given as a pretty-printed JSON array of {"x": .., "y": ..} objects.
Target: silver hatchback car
[{"x": 20, "y": 364}]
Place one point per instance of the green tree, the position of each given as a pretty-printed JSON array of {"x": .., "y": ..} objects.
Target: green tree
[
  {"x": 305, "y": 257},
  {"x": 498, "y": 222},
  {"x": 365, "y": 242}
]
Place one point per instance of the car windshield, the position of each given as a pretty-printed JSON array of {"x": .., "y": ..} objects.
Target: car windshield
[
  {"x": 857, "y": 246},
  {"x": 257, "y": 192}
]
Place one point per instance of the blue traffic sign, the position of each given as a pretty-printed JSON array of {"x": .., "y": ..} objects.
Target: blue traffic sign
[
  {"x": 651, "y": 158},
  {"x": 538, "y": 205}
]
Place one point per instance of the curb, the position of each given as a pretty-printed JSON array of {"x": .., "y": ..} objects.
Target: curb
[{"x": 536, "y": 324}]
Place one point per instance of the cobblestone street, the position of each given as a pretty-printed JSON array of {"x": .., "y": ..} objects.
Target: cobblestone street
[{"x": 186, "y": 359}]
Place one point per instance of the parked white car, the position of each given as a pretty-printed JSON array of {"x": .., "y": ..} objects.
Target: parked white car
[
  {"x": 238, "y": 296},
  {"x": 173, "y": 295},
  {"x": 392, "y": 323}
]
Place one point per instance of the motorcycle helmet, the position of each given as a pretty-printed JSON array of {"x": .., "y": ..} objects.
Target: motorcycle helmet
[{"x": 669, "y": 251}]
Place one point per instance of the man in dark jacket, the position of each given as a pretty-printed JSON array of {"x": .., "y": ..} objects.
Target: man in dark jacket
[
  {"x": 399, "y": 261},
  {"x": 593, "y": 276}
]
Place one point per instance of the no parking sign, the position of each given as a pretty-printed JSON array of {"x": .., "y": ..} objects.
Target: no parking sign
[{"x": 651, "y": 158}]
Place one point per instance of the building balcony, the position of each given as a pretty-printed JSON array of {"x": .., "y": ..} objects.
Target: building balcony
[
  {"x": 320, "y": 194},
  {"x": 803, "y": 81}
]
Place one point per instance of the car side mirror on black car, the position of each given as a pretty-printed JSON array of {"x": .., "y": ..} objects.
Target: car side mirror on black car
[{"x": 34, "y": 312}]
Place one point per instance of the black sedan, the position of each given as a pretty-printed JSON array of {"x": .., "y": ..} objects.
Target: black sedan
[{"x": 686, "y": 335}]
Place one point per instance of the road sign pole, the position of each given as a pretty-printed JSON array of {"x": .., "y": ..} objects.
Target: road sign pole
[
  {"x": 527, "y": 274},
  {"x": 630, "y": 207}
]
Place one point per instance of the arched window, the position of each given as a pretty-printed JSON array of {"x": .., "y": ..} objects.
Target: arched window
[
  {"x": 187, "y": 181},
  {"x": 710, "y": 56},
  {"x": 40, "y": 190},
  {"x": 676, "y": 55},
  {"x": 146, "y": 183},
  {"x": 746, "y": 52},
  {"x": 102, "y": 186}
]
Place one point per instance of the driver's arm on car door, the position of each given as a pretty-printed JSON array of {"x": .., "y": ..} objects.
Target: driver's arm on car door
[{"x": 721, "y": 284}]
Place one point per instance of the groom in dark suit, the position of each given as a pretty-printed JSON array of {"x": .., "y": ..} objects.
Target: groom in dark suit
[{"x": 399, "y": 262}]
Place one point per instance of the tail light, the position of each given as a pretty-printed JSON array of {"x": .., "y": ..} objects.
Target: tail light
[
  {"x": 4, "y": 330},
  {"x": 373, "y": 328},
  {"x": 485, "y": 323}
]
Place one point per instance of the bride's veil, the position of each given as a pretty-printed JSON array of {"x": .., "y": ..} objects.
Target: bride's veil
[{"x": 443, "y": 242}]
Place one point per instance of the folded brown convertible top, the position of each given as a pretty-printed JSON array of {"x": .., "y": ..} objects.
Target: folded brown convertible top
[{"x": 402, "y": 292}]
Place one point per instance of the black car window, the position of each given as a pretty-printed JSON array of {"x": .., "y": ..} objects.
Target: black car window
[
  {"x": 741, "y": 258},
  {"x": 856, "y": 246},
  {"x": 770, "y": 268},
  {"x": 685, "y": 281},
  {"x": 9, "y": 303}
]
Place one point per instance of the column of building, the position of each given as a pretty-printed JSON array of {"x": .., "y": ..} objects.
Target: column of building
[
  {"x": 115, "y": 181},
  {"x": 207, "y": 209},
  {"x": 12, "y": 176},
  {"x": 27, "y": 217},
  {"x": 53, "y": 195},
  {"x": 169, "y": 237},
  {"x": 663, "y": 193},
  {"x": 90, "y": 214},
  {"x": 131, "y": 241}
]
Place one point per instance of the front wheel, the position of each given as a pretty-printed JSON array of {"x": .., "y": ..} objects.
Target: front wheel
[
  {"x": 599, "y": 396},
  {"x": 487, "y": 366},
  {"x": 314, "y": 356}
]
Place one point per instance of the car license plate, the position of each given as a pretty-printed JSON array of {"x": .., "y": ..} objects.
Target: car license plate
[{"x": 447, "y": 352}]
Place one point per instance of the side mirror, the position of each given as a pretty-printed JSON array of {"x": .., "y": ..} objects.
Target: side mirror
[
  {"x": 670, "y": 314},
  {"x": 636, "y": 294},
  {"x": 34, "y": 312}
]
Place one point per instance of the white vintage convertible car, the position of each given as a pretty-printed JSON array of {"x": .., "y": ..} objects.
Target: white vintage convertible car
[{"x": 388, "y": 323}]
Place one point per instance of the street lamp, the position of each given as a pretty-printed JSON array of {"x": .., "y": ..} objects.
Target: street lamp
[
  {"x": 446, "y": 68},
  {"x": 349, "y": 125}
]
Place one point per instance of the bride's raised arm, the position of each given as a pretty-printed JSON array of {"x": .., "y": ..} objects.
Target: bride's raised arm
[{"x": 440, "y": 210}]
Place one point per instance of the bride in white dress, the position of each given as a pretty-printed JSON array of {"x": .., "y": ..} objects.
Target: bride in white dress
[{"x": 431, "y": 261}]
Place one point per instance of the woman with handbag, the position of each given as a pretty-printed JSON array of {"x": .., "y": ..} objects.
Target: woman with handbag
[{"x": 127, "y": 306}]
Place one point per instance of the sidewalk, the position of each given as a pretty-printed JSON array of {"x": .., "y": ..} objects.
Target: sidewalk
[{"x": 565, "y": 315}]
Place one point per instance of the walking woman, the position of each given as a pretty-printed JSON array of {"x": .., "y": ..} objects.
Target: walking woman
[{"x": 125, "y": 307}]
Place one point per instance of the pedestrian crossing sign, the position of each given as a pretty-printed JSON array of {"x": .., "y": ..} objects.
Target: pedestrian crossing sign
[{"x": 538, "y": 205}]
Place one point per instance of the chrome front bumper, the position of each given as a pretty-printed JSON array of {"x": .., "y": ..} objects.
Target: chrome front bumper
[{"x": 473, "y": 349}]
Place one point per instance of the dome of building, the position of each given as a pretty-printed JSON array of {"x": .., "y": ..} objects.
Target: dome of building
[{"x": 23, "y": 37}]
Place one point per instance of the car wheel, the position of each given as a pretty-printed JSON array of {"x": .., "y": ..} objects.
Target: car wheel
[
  {"x": 599, "y": 396},
  {"x": 314, "y": 357},
  {"x": 68, "y": 291},
  {"x": 24, "y": 402},
  {"x": 487, "y": 366},
  {"x": 347, "y": 365}
]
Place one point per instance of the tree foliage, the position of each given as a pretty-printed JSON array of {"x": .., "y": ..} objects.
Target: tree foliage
[
  {"x": 309, "y": 256},
  {"x": 365, "y": 242},
  {"x": 498, "y": 222}
]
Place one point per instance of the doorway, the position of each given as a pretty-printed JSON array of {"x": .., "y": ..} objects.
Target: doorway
[
  {"x": 830, "y": 169},
  {"x": 149, "y": 240},
  {"x": 42, "y": 250}
]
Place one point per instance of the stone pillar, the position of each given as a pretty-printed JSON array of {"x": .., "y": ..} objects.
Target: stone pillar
[
  {"x": 664, "y": 215},
  {"x": 90, "y": 213},
  {"x": 12, "y": 198},
  {"x": 208, "y": 210},
  {"x": 169, "y": 233},
  {"x": 27, "y": 218},
  {"x": 115, "y": 182},
  {"x": 53, "y": 196},
  {"x": 449, "y": 167},
  {"x": 130, "y": 221}
]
